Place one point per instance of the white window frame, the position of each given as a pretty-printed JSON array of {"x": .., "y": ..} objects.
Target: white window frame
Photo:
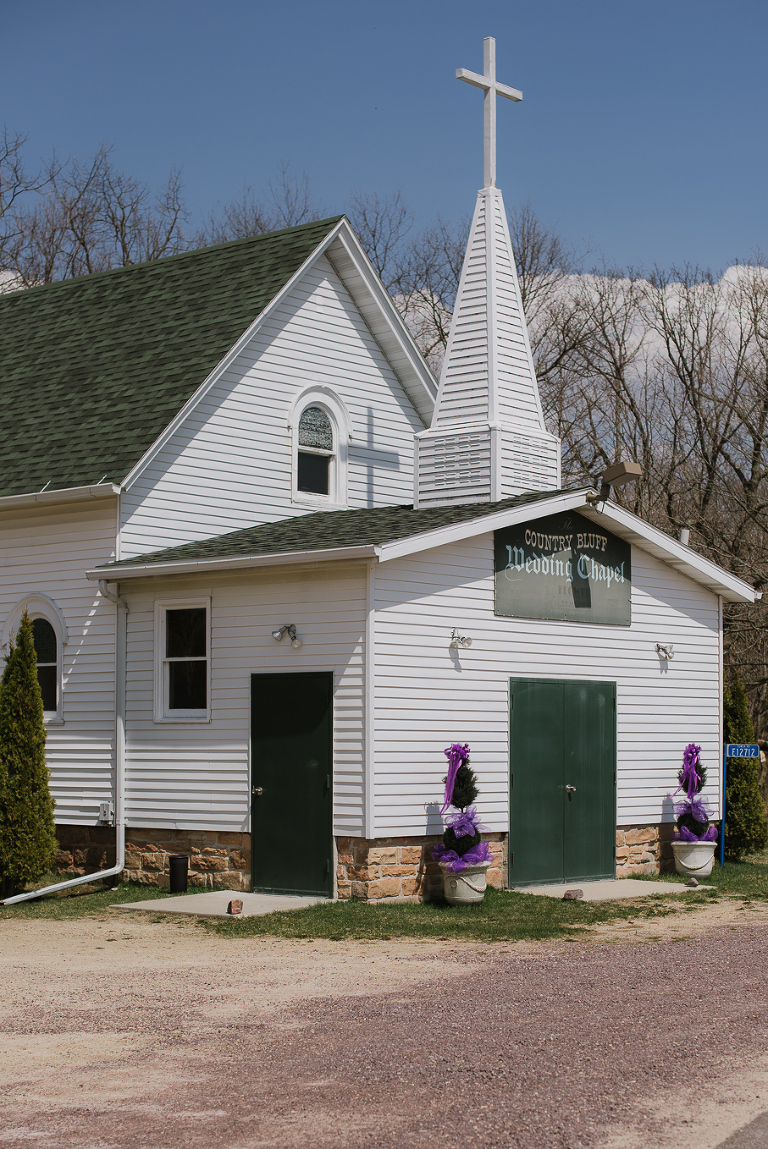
[
  {"x": 329, "y": 402},
  {"x": 42, "y": 606},
  {"x": 162, "y": 712}
]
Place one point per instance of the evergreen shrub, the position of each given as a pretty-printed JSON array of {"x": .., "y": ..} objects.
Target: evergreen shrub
[
  {"x": 27, "y": 832},
  {"x": 746, "y": 824}
]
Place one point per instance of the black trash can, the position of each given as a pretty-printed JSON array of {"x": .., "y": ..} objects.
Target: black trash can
[{"x": 178, "y": 865}]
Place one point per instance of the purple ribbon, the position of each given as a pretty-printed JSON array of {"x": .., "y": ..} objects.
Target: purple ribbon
[
  {"x": 685, "y": 835},
  {"x": 465, "y": 822},
  {"x": 456, "y": 755},
  {"x": 691, "y": 780},
  {"x": 453, "y": 862}
]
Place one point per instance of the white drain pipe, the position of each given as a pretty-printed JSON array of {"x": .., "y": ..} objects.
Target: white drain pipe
[{"x": 120, "y": 645}]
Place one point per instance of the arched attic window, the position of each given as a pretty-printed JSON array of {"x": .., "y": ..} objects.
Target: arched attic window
[
  {"x": 316, "y": 453},
  {"x": 320, "y": 427}
]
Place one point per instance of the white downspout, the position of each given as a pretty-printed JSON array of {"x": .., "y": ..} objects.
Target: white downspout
[{"x": 119, "y": 790}]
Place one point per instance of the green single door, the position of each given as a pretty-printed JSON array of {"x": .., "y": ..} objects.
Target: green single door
[
  {"x": 291, "y": 776},
  {"x": 563, "y": 781}
]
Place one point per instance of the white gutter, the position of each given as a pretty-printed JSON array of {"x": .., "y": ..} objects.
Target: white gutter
[
  {"x": 193, "y": 566},
  {"x": 119, "y": 790},
  {"x": 65, "y": 495}
]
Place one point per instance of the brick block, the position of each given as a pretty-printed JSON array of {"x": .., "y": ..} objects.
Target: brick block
[
  {"x": 360, "y": 890},
  {"x": 619, "y": 837},
  {"x": 410, "y": 854},
  {"x": 385, "y": 888},
  {"x": 385, "y": 857},
  {"x": 214, "y": 865},
  {"x": 363, "y": 873},
  {"x": 132, "y": 860},
  {"x": 153, "y": 861},
  {"x": 344, "y": 844},
  {"x": 231, "y": 880},
  {"x": 62, "y": 859},
  {"x": 200, "y": 881},
  {"x": 641, "y": 835},
  {"x": 622, "y": 855},
  {"x": 238, "y": 860},
  {"x": 347, "y": 858},
  {"x": 215, "y": 851},
  {"x": 411, "y": 886},
  {"x": 397, "y": 871},
  {"x": 493, "y": 878},
  {"x": 344, "y": 890},
  {"x": 229, "y": 838}
]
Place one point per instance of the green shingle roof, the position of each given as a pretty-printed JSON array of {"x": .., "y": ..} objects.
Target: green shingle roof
[
  {"x": 323, "y": 530},
  {"x": 92, "y": 370}
]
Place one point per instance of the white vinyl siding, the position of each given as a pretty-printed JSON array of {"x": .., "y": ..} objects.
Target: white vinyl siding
[
  {"x": 197, "y": 777},
  {"x": 428, "y": 696},
  {"x": 46, "y": 552},
  {"x": 230, "y": 464}
]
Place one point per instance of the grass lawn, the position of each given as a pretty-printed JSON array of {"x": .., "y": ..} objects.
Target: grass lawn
[{"x": 502, "y": 916}]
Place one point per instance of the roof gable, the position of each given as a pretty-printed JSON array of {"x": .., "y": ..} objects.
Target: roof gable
[{"x": 92, "y": 370}]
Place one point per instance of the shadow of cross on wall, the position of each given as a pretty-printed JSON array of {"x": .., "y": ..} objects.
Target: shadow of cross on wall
[{"x": 371, "y": 457}]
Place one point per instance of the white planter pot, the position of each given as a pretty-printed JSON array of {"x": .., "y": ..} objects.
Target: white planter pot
[
  {"x": 694, "y": 859},
  {"x": 464, "y": 886}
]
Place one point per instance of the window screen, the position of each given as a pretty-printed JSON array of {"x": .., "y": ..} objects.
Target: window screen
[{"x": 185, "y": 656}]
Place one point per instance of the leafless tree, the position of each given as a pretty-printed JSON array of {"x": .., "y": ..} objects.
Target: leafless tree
[{"x": 90, "y": 217}]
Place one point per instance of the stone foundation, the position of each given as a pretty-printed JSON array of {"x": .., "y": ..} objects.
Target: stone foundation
[
  {"x": 218, "y": 859},
  {"x": 84, "y": 849},
  {"x": 401, "y": 869},
  {"x": 644, "y": 850}
]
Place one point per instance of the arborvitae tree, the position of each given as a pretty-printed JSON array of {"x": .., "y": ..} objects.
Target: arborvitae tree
[
  {"x": 464, "y": 794},
  {"x": 746, "y": 825},
  {"x": 27, "y": 834}
]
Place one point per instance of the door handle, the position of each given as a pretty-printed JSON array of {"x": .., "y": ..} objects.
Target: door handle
[
  {"x": 570, "y": 789},
  {"x": 257, "y": 790}
]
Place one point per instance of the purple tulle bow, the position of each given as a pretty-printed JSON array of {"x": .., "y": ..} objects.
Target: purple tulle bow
[
  {"x": 691, "y": 778},
  {"x": 451, "y": 860},
  {"x": 456, "y": 754},
  {"x": 685, "y": 835},
  {"x": 465, "y": 822}
]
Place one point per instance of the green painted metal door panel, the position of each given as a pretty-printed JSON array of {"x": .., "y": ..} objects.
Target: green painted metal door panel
[
  {"x": 562, "y": 734},
  {"x": 536, "y": 722},
  {"x": 588, "y": 761},
  {"x": 291, "y": 762}
]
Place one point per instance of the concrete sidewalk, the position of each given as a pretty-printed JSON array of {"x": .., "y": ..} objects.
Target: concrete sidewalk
[
  {"x": 612, "y": 889},
  {"x": 213, "y": 904}
]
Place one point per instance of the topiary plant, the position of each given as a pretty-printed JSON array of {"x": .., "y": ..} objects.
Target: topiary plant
[
  {"x": 693, "y": 823},
  {"x": 462, "y": 844},
  {"x": 27, "y": 831}
]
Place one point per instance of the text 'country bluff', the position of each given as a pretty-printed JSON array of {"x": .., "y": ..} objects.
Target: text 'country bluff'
[{"x": 581, "y": 566}]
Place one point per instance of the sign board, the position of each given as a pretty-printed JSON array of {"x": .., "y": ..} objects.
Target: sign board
[
  {"x": 742, "y": 750},
  {"x": 563, "y": 567}
]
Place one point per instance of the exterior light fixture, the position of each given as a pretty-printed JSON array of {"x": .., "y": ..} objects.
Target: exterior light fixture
[
  {"x": 458, "y": 640},
  {"x": 616, "y": 476},
  {"x": 665, "y": 651},
  {"x": 289, "y": 629}
]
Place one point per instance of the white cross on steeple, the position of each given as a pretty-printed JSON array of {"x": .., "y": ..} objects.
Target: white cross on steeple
[{"x": 492, "y": 88}]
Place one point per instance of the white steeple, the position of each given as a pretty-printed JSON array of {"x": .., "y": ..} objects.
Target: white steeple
[{"x": 487, "y": 440}]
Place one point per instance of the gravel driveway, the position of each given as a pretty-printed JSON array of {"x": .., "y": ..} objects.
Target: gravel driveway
[{"x": 120, "y": 1032}]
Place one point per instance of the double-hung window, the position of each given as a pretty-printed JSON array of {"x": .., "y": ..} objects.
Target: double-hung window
[{"x": 182, "y": 676}]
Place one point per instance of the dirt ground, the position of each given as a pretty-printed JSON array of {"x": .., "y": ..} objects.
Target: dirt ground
[{"x": 123, "y": 1030}]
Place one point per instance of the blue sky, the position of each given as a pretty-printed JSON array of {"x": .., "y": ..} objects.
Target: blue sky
[{"x": 642, "y": 134}]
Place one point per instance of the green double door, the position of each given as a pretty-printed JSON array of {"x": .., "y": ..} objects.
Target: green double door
[
  {"x": 563, "y": 781},
  {"x": 291, "y": 782}
]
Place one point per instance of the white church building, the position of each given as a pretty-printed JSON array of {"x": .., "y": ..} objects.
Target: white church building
[{"x": 275, "y": 569}]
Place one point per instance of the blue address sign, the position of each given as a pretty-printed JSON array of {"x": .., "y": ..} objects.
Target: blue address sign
[{"x": 742, "y": 750}]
